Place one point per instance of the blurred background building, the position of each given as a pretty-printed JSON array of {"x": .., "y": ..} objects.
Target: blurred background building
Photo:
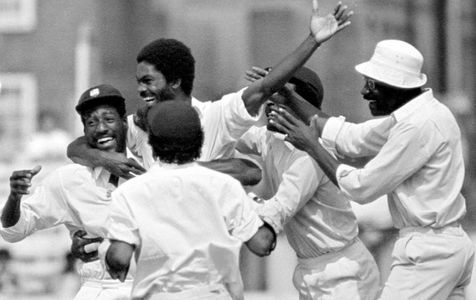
[{"x": 52, "y": 50}]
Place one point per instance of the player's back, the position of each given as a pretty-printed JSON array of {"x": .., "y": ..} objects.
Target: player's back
[{"x": 184, "y": 214}]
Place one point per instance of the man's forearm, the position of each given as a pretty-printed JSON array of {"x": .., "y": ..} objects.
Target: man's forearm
[
  {"x": 326, "y": 161},
  {"x": 303, "y": 108},
  {"x": 80, "y": 152},
  {"x": 11, "y": 211},
  {"x": 283, "y": 71},
  {"x": 258, "y": 92}
]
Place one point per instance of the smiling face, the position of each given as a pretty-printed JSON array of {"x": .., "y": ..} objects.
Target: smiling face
[
  {"x": 105, "y": 129},
  {"x": 152, "y": 84},
  {"x": 383, "y": 99}
]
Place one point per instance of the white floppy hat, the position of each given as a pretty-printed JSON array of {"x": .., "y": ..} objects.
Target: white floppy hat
[{"x": 395, "y": 63}]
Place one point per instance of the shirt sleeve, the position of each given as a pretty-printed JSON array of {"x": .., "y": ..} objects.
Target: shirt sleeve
[
  {"x": 44, "y": 208},
  {"x": 121, "y": 222},
  {"x": 408, "y": 148},
  {"x": 299, "y": 182},
  {"x": 356, "y": 140},
  {"x": 231, "y": 118},
  {"x": 240, "y": 217}
]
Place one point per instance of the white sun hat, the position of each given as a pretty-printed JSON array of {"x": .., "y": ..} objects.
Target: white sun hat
[{"x": 395, "y": 63}]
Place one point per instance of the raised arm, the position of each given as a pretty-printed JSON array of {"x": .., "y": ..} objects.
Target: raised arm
[
  {"x": 20, "y": 183},
  {"x": 298, "y": 104},
  {"x": 321, "y": 29},
  {"x": 81, "y": 153},
  {"x": 245, "y": 171}
]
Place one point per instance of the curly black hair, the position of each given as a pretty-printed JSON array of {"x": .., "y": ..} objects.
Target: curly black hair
[
  {"x": 175, "y": 150},
  {"x": 173, "y": 59}
]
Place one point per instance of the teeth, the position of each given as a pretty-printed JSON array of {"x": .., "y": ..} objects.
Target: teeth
[
  {"x": 147, "y": 99},
  {"x": 104, "y": 140}
]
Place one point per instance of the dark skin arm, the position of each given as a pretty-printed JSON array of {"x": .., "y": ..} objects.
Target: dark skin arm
[
  {"x": 321, "y": 29},
  {"x": 20, "y": 183},
  {"x": 298, "y": 104},
  {"x": 79, "y": 241},
  {"x": 263, "y": 241},
  {"x": 305, "y": 138},
  {"x": 118, "y": 164},
  {"x": 245, "y": 171},
  {"x": 118, "y": 259}
]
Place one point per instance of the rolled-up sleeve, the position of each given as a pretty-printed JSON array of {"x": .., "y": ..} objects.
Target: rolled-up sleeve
[
  {"x": 356, "y": 140},
  {"x": 238, "y": 210},
  {"x": 407, "y": 149},
  {"x": 44, "y": 208},
  {"x": 121, "y": 224}
]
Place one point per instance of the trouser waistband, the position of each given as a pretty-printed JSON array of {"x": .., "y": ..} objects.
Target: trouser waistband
[{"x": 349, "y": 248}]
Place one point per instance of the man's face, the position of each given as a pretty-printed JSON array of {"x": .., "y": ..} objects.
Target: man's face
[
  {"x": 152, "y": 85},
  {"x": 382, "y": 99},
  {"x": 105, "y": 129},
  {"x": 275, "y": 100}
]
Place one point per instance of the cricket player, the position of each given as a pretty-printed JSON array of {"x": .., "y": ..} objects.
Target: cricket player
[
  {"x": 317, "y": 218},
  {"x": 184, "y": 222},
  {"x": 75, "y": 195},
  {"x": 417, "y": 160}
]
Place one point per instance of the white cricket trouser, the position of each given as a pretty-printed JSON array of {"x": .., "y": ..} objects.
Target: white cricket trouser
[
  {"x": 430, "y": 264},
  {"x": 350, "y": 273},
  {"x": 213, "y": 292},
  {"x": 105, "y": 289}
]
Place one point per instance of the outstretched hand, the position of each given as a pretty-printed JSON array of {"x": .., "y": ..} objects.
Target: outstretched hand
[
  {"x": 20, "y": 181},
  {"x": 323, "y": 28},
  {"x": 297, "y": 133}
]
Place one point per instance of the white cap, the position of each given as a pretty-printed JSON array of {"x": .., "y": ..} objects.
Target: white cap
[{"x": 395, "y": 63}]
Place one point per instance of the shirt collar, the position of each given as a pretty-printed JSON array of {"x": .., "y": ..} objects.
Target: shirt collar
[
  {"x": 99, "y": 172},
  {"x": 158, "y": 165},
  {"x": 413, "y": 105}
]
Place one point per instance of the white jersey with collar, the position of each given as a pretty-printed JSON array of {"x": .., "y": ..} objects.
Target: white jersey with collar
[
  {"x": 419, "y": 162},
  {"x": 301, "y": 200},
  {"x": 188, "y": 230},
  {"x": 223, "y": 122},
  {"x": 73, "y": 195}
]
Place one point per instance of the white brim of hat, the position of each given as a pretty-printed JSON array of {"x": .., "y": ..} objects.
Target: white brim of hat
[{"x": 391, "y": 76}]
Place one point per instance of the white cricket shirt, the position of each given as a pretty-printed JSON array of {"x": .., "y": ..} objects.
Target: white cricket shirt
[
  {"x": 188, "y": 223},
  {"x": 418, "y": 162},
  {"x": 315, "y": 215},
  {"x": 223, "y": 122},
  {"x": 73, "y": 195}
]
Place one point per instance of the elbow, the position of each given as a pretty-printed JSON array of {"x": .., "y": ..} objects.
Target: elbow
[
  {"x": 117, "y": 262},
  {"x": 263, "y": 242},
  {"x": 253, "y": 177}
]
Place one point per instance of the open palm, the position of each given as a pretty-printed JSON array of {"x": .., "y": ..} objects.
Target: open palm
[{"x": 323, "y": 28}]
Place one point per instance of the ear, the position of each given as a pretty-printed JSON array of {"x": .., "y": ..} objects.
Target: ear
[{"x": 176, "y": 84}]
